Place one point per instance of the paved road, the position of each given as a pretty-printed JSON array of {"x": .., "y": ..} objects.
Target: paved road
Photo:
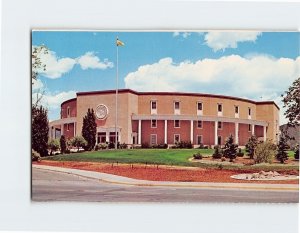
[{"x": 56, "y": 186}]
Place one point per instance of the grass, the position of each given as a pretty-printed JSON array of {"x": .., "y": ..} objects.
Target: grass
[{"x": 177, "y": 157}]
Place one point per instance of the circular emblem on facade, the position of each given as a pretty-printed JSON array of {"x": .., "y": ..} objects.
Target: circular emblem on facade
[{"x": 101, "y": 111}]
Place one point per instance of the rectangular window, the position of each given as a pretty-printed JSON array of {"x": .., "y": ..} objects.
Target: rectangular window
[
  {"x": 199, "y": 106},
  {"x": 153, "y": 123},
  {"x": 153, "y": 105},
  {"x": 101, "y": 137},
  {"x": 153, "y": 139},
  {"x": 176, "y": 123},
  {"x": 176, "y": 138},
  {"x": 199, "y": 124},
  {"x": 249, "y": 127},
  {"x": 219, "y": 124},
  {"x": 237, "y": 109},
  {"x": 220, "y": 109},
  {"x": 68, "y": 111},
  {"x": 249, "y": 111},
  {"x": 176, "y": 105},
  {"x": 219, "y": 140},
  {"x": 199, "y": 139}
]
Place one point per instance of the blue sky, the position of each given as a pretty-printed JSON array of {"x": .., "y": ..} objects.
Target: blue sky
[{"x": 249, "y": 64}]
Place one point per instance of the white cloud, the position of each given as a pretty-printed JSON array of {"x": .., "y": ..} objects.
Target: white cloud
[
  {"x": 53, "y": 101},
  {"x": 229, "y": 75},
  {"x": 90, "y": 61},
  {"x": 56, "y": 67},
  {"x": 183, "y": 34},
  {"x": 222, "y": 40}
]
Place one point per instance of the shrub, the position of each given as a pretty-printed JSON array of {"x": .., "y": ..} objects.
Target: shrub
[
  {"x": 122, "y": 146},
  {"x": 63, "y": 144},
  {"x": 35, "y": 156},
  {"x": 281, "y": 150},
  {"x": 101, "y": 146},
  {"x": 240, "y": 153},
  {"x": 296, "y": 154},
  {"x": 145, "y": 145},
  {"x": 89, "y": 129},
  {"x": 217, "y": 153},
  {"x": 201, "y": 146},
  {"x": 197, "y": 156},
  {"x": 53, "y": 145},
  {"x": 160, "y": 146},
  {"x": 184, "y": 145},
  {"x": 264, "y": 152},
  {"x": 230, "y": 149},
  {"x": 251, "y": 145},
  {"x": 78, "y": 142}
]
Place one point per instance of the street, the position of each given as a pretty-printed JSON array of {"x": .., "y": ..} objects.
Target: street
[{"x": 57, "y": 186}]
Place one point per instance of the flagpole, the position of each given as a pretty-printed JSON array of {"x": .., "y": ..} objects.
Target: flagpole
[{"x": 117, "y": 83}]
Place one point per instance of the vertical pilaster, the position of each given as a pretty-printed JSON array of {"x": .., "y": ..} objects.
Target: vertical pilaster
[
  {"x": 236, "y": 133},
  {"x": 107, "y": 136},
  {"x": 140, "y": 132},
  {"x": 166, "y": 131},
  {"x": 265, "y": 133},
  {"x": 192, "y": 131},
  {"x": 62, "y": 129},
  {"x": 216, "y": 132},
  {"x": 252, "y": 129}
]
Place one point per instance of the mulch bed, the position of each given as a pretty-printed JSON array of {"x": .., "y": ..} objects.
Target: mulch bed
[{"x": 161, "y": 172}]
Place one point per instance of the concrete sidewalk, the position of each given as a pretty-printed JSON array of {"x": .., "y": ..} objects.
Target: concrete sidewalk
[{"x": 114, "y": 179}]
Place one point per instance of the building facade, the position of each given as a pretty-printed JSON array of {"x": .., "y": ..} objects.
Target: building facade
[{"x": 166, "y": 118}]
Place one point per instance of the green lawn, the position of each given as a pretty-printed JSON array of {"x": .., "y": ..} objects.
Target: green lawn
[{"x": 179, "y": 157}]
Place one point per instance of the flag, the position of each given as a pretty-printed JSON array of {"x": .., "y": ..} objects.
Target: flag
[{"x": 119, "y": 43}]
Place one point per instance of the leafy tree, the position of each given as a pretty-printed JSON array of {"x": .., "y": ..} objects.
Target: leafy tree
[
  {"x": 89, "y": 129},
  {"x": 265, "y": 152},
  {"x": 78, "y": 142},
  {"x": 251, "y": 145},
  {"x": 230, "y": 149},
  {"x": 291, "y": 101},
  {"x": 281, "y": 150},
  {"x": 37, "y": 65},
  {"x": 40, "y": 130},
  {"x": 53, "y": 145},
  {"x": 296, "y": 154},
  {"x": 63, "y": 144}
]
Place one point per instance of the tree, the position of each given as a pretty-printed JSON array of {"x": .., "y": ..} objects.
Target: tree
[
  {"x": 251, "y": 145},
  {"x": 291, "y": 101},
  {"x": 217, "y": 153},
  {"x": 37, "y": 65},
  {"x": 281, "y": 150},
  {"x": 230, "y": 149},
  {"x": 53, "y": 145},
  {"x": 89, "y": 129},
  {"x": 63, "y": 144},
  {"x": 264, "y": 152},
  {"x": 40, "y": 130},
  {"x": 296, "y": 154},
  {"x": 78, "y": 142}
]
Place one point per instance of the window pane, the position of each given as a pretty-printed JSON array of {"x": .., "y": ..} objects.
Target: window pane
[
  {"x": 176, "y": 105},
  {"x": 199, "y": 124},
  {"x": 176, "y": 123},
  {"x": 199, "y": 106},
  {"x": 236, "y": 109},
  {"x": 153, "y": 104},
  {"x": 153, "y": 123},
  {"x": 249, "y": 111},
  {"x": 219, "y": 125},
  {"x": 220, "y": 107}
]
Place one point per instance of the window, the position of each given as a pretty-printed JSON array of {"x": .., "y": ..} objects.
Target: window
[
  {"x": 249, "y": 111},
  {"x": 176, "y": 138},
  {"x": 153, "y": 105},
  {"x": 176, "y": 105},
  {"x": 176, "y": 123},
  {"x": 237, "y": 109},
  {"x": 153, "y": 139},
  {"x": 199, "y": 139},
  {"x": 199, "y": 124},
  {"x": 101, "y": 137},
  {"x": 219, "y": 125},
  {"x": 249, "y": 127},
  {"x": 220, "y": 109},
  {"x": 219, "y": 140},
  {"x": 199, "y": 106},
  {"x": 153, "y": 123},
  {"x": 68, "y": 111}
]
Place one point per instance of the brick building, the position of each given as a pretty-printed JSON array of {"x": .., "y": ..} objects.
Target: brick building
[{"x": 163, "y": 117}]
